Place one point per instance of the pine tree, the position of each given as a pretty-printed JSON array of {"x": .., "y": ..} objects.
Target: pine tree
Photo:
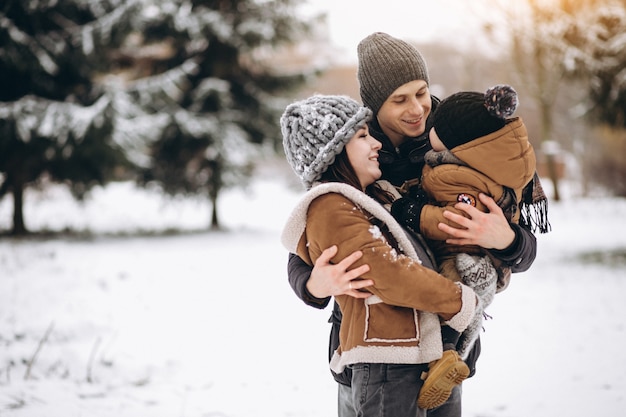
[
  {"x": 224, "y": 116},
  {"x": 56, "y": 122},
  {"x": 175, "y": 89}
]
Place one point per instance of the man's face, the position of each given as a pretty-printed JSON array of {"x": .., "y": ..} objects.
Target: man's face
[{"x": 405, "y": 111}]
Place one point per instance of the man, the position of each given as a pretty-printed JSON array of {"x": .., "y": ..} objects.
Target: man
[{"x": 394, "y": 84}]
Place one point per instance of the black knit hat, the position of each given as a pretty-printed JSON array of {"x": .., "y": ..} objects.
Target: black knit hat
[
  {"x": 386, "y": 63},
  {"x": 468, "y": 115}
]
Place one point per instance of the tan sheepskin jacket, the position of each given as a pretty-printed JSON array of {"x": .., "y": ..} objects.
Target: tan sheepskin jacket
[
  {"x": 503, "y": 158},
  {"x": 398, "y": 323}
]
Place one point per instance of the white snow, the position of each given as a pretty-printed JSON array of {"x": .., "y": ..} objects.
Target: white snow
[{"x": 205, "y": 323}]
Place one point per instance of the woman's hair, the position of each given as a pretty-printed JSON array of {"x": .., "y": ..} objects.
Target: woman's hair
[{"x": 342, "y": 171}]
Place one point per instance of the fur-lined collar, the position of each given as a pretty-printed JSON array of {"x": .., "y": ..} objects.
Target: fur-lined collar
[{"x": 296, "y": 222}]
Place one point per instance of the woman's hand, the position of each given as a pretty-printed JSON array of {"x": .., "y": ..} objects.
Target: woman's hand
[
  {"x": 328, "y": 279},
  {"x": 489, "y": 230}
]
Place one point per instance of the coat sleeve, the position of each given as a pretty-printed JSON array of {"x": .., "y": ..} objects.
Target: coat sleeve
[
  {"x": 520, "y": 254},
  {"x": 446, "y": 185},
  {"x": 398, "y": 280},
  {"x": 449, "y": 184},
  {"x": 298, "y": 273}
]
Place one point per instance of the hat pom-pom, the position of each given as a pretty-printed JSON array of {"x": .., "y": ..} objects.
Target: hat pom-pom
[{"x": 501, "y": 101}]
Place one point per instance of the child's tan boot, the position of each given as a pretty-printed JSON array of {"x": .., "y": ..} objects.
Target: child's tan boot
[{"x": 443, "y": 375}]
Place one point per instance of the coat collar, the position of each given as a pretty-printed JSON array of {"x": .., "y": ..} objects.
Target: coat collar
[{"x": 296, "y": 222}]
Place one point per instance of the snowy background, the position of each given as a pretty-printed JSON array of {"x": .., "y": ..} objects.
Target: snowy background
[{"x": 126, "y": 322}]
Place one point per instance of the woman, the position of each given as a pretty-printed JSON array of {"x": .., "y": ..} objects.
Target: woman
[{"x": 388, "y": 338}]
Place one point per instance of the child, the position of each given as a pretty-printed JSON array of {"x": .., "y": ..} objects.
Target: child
[{"x": 477, "y": 148}]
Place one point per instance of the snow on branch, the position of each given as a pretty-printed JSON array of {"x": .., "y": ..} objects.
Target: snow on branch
[
  {"x": 27, "y": 43},
  {"x": 54, "y": 120},
  {"x": 91, "y": 35},
  {"x": 168, "y": 83}
]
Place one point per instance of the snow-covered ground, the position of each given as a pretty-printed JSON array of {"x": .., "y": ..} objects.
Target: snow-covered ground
[{"x": 205, "y": 323}]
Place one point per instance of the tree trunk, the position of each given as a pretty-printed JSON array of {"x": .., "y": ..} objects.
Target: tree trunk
[
  {"x": 215, "y": 224},
  {"x": 551, "y": 151},
  {"x": 554, "y": 177},
  {"x": 19, "y": 229}
]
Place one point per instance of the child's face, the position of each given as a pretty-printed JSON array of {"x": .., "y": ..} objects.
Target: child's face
[{"x": 435, "y": 142}]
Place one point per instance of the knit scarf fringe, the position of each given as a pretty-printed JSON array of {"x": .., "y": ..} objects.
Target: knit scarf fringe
[{"x": 534, "y": 207}]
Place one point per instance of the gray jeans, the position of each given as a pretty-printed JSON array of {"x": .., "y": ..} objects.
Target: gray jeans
[
  {"x": 384, "y": 390},
  {"x": 345, "y": 405},
  {"x": 452, "y": 407}
]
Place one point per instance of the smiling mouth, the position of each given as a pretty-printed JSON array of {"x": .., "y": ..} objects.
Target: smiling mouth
[{"x": 414, "y": 121}]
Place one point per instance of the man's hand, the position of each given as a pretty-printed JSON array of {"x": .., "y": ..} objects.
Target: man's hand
[
  {"x": 489, "y": 230},
  {"x": 329, "y": 280}
]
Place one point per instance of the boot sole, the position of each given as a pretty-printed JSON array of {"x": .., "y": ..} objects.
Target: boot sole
[{"x": 434, "y": 393}]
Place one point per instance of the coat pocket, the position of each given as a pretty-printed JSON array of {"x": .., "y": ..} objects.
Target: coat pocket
[{"x": 390, "y": 324}]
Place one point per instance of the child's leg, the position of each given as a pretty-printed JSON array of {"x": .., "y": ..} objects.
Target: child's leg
[
  {"x": 479, "y": 274},
  {"x": 446, "y": 373},
  {"x": 447, "y": 268},
  {"x": 450, "y": 337}
]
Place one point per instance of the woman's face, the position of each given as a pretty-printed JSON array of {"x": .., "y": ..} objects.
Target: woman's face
[
  {"x": 405, "y": 111},
  {"x": 362, "y": 151}
]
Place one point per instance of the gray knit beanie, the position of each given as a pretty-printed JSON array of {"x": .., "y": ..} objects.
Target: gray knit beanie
[
  {"x": 315, "y": 131},
  {"x": 386, "y": 63}
]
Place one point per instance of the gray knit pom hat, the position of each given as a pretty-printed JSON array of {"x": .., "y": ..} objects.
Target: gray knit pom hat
[
  {"x": 386, "y": 63},
  {"x": 315, "y": 131}
]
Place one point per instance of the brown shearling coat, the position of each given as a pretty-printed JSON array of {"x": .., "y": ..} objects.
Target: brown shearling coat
[{"x": 399, "y": 322}]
